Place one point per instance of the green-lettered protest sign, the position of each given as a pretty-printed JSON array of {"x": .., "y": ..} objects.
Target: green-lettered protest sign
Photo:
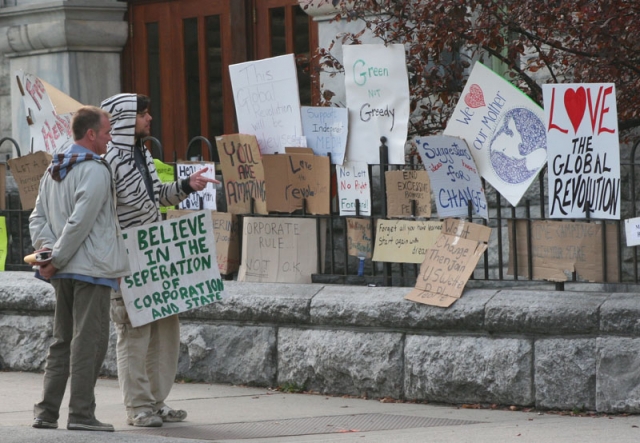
[{"x": 173, "y": 268}]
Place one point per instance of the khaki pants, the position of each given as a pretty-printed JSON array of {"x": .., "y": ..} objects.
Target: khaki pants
[
  {"x": 147, "y": 358},
  {"x": 81, "y": 337}
]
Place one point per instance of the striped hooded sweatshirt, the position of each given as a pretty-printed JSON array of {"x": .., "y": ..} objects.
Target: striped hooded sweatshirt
[{"x": 139, "y": 190}]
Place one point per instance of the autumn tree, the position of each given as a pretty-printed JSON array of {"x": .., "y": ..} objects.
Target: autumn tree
[{"x": 534, "y": 41}]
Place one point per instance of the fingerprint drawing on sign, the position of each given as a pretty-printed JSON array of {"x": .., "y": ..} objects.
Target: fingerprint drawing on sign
[{"x": 518, "y": 147}]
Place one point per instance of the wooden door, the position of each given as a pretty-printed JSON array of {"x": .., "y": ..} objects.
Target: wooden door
[
  {"x": 282, "y": 27},
  {"x": 180, "y": 53}
]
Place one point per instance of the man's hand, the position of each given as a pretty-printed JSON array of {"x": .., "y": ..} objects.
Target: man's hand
[
  {"x": 47, "y": 270},
  {"x": 198, "y": 182}
]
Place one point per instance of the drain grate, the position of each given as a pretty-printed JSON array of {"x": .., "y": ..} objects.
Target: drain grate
[{"x": 301, "y": 426}]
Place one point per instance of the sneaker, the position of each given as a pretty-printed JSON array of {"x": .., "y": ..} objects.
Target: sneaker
[
  {"x": 89, "y": 424},
  {"x": 171, "y": 415},
  {"x": 145, "y": 419},
  {"x": 42, "y": 424}
]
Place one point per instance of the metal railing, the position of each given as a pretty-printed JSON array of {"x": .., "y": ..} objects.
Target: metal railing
[{"x": 339, "y": 267}]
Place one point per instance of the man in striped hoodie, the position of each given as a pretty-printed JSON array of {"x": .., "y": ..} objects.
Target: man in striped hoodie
[{"x": 148, "y": 354}]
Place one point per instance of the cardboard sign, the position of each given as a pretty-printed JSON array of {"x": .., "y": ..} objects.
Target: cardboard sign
[
  {"x": 173, "y": 268},
  {"x": 3, "y": 185},
  {"x": 225, "y": 230},
  {"x": 559, "y": 248},
  {"x": 296, "y": 178},
  {"x": 4, "y": 242},
  {"x": 449, "y": 263},
  {"x": 359, "y": 237},
  {"x": 278, "y": 250},
  {"x": 377, "y": 93},
  {"x": 49, "y": 112},
  {"x": 326, "y": 130},
  {"x": 454, "y": 177},
  {"x": 408, "y": 193},
  {"x": 265, "y": 93},
  {"x": 404, "y": 241},
  {"x": 27, "y": 172},
  {"x": 205, "y": 199},
  {"x": 165, "y": 175},
  {"x": 353, "y": 188},
  {"x": 632, "y": 231},
  {"x": 243, "y": 173},
  {"x": 584, "y": 154},
  {"x": 504, "y": 130}
]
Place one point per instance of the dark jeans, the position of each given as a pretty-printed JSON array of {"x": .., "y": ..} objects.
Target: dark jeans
[{"x": 81, "y": 337}]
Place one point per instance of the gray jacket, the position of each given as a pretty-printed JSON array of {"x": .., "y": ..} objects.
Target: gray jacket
[{"x": 75, "y": 216}]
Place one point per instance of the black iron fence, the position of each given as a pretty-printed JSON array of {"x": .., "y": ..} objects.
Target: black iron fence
[{"x": 512, "y": 228}]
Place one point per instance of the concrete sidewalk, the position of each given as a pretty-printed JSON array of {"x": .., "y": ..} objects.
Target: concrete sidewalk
[{"x": 225, "y": 413}]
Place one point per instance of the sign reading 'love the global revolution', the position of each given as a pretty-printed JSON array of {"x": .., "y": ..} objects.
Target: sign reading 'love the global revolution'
[{"x": 584, "y": 155}]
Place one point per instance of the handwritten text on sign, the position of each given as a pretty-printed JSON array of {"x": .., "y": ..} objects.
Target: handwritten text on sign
[
  {"x": 584, "y": 155},
  {"x": 49, "y": 122},
  {"x": 267, "y": 102},
  {"x": 173, "y": 268},
  {"x": 205, "y": 199},
  {"x": 377, "y": 93},
  {"x": 404, "y": 241},
  {"x": 504, "y": 130},
  {"x": 281, "y": 250},
  {"x": 243, "y": 173},
  {"x": 326, "y": 131},
  {"x": 408, "y": 193},
  {"x": 454, "y": 178},
  {"x": 353, "y": 188},
  {"x": 359, "y": 237}
]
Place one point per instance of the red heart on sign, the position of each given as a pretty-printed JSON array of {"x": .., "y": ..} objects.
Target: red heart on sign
[
  {"x": 475, "y": 97},
  {"x": 575, "y": 102}
]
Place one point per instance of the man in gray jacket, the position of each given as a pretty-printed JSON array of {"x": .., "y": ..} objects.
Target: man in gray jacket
[{"x": 75, "y": 219}]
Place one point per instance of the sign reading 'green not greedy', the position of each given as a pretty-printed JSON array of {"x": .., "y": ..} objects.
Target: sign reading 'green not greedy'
[{"x": 173, "y": 268}]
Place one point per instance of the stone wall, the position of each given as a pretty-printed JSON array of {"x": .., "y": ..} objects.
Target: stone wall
[{"x": 531, "y": 348}]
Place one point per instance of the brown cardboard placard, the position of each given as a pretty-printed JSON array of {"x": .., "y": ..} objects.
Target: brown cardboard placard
[
  {"x": 295, "y": 177},
  {"x": 243, "y": 173},
  {"x": 359, "y": 237},
  {"x": 404, "y": 241},
  {"x": 405, "y": 186},
  {"x": 449, "y": 263},
  {"x": 27, "y": 172},
  {"x": 278, "y": 250},
  {"x": 461, "y": 228},
  {"x": 561, "y": 247},
  {"x": 225, "y": 230}
]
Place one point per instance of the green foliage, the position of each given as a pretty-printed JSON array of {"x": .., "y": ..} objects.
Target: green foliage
[{"x": 291, "y": 387}]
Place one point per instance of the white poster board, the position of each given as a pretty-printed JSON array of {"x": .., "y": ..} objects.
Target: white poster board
[
  {"x": 326, "y": 129},
  {"x": 504, "y": 130},
  {"x": 377, "y": 94},
  {"x": 584, "y": 150},
  {"x": 455, "y": 181},
  {"x": 632, "y": 231},
  {"x": 49, "y": 112},
  {"x": 353, "y": 184},
  {"x": 267, "y": 103},
  {"x": 205, "y": 199},
  {"x": 173, "y": 268}
]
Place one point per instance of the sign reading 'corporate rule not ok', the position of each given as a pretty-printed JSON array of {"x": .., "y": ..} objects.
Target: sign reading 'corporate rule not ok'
[{"x": 173, "y": 268}]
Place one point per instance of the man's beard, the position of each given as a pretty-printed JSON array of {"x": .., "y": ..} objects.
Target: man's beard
[{"x": 139, "y": 135}]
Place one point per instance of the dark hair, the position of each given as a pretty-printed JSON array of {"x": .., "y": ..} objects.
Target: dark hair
[
  {"x": 85, "y": 118},
  {"x": 143, "y": 103}
]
